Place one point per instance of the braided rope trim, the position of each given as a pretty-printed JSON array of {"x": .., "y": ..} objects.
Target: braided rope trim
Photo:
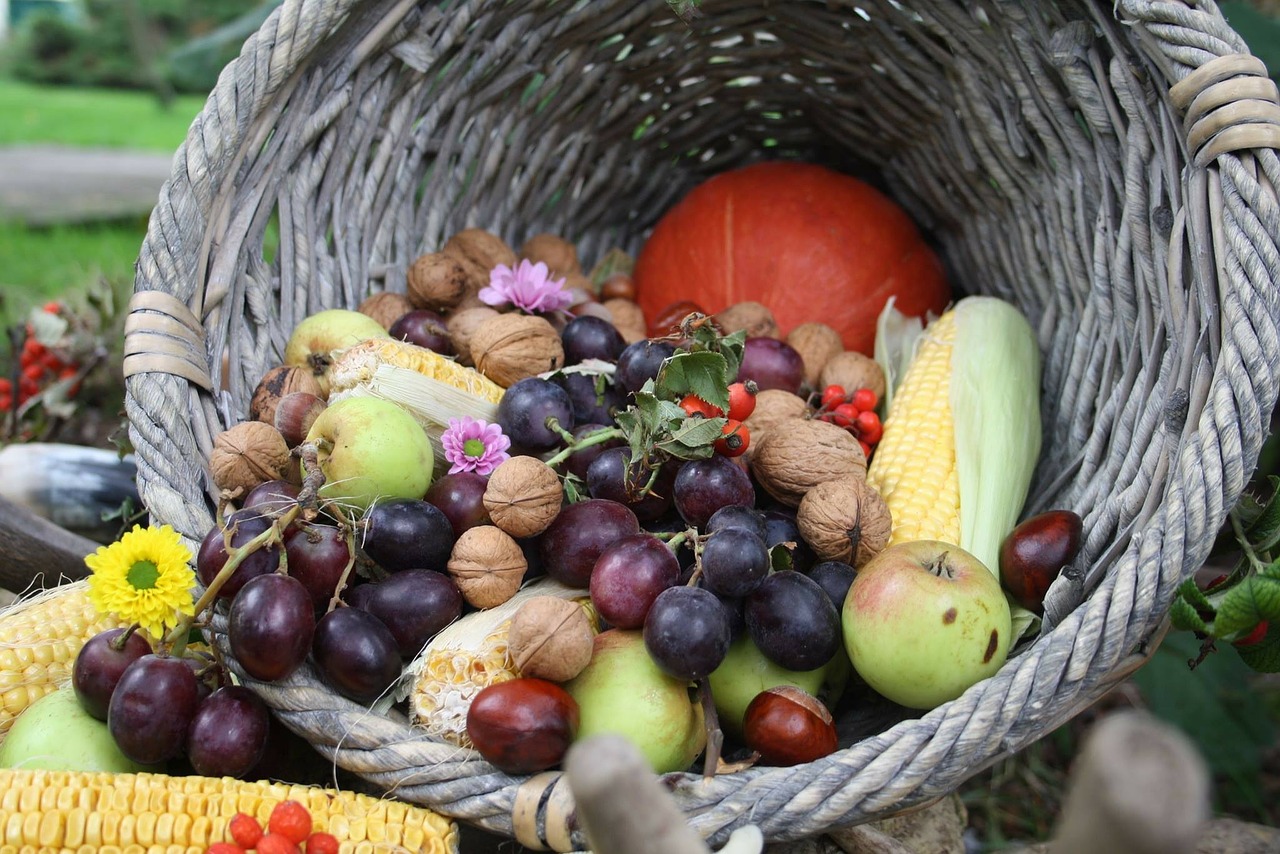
[{"x": 1207, "y": 357}]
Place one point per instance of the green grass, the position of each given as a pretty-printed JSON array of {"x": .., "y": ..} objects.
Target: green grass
[{"x": 107, "y": 118}]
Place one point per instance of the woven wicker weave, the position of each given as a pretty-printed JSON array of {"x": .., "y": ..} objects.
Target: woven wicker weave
[{"x": 1108, "y": 167}]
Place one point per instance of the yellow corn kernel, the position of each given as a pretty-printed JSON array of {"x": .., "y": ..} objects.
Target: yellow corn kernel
[
  {"x": 360, "y": 364},
  {"x": 914, "y": 466},
  {"x": 39, "y": 639},
  {"x": 154, "y": 813}
]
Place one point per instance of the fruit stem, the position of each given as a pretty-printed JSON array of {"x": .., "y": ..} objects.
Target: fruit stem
[
  {"x": 940, "y": 567},
  {"x": 715, "y": 736},
  {"x": 596, "y": 437},
  {"x": 117, "y": 643},
  {"x": 1245, "y": 545},
  {"x": 346, "y": 570}
]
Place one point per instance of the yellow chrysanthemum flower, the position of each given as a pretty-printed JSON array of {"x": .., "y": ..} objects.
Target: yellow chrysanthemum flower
[{"x": 143, "y": 578}]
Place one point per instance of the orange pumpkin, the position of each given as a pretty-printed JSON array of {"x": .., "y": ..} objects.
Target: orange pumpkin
[{"x": 809, "y": 243}]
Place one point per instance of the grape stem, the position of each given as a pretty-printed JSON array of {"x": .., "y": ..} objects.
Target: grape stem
[
  {"x": 596, "y": 437},
  {"x": 351, "y": 562},
  {"x": 715, "y": 735}
]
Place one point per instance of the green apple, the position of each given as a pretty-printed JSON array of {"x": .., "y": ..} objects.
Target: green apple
[
  {"x": 55, "y": 733},
  {"x": 317, "y": 336},
  {"x": 622, "y": 691},
  {"x": 370, "y": 450},
  {"x": 923, "y": 621},
  {"x": 745, "y": 672}
]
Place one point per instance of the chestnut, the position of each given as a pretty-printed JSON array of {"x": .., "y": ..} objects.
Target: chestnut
[
  {"x": 788, "y": 726},
  {"x": 1035, "y": 553},
  {"x": 523, "y": 725}
]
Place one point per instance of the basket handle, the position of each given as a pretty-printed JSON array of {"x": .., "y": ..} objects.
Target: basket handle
[{"x": 1231, "y": 104}]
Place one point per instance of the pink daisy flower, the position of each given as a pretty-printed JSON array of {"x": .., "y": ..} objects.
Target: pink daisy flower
[
  {"x": 528, "y": 287},
  {"x": 474, "y": 445}
]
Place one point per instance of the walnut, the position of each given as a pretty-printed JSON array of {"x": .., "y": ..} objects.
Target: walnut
[
  {"x": 523, "y": 496},
  {"x": 479, "y": 251},
  {"x": 386, "y": 307},
  {"x": 800, "y": 453},
  {"x": 510, "y": 347},
  {"x": 772, "y": 405},
  {"x": 558, "y": 254},
  {"x": 487, "y": 565},
  {"x": 248, "y": 454},
  {"x": 628, "y": 319},
  {"x": 851, "y": 371},
  {"x": 437, "y": 281},
  {"x": 550, "y": 638},
  {"x": 462, "y": 324},
  {"x": 754, "y": 317},
  {"x": 844, "y": 519},
  {"x": 816, "y": 343},
  {"x": 275, "y": 384}
]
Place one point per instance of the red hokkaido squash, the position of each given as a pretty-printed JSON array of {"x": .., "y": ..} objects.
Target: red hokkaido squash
[{"x": 808, "y": 242}]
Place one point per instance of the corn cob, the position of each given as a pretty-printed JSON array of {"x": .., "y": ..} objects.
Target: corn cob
[
  {"x": 39, "y": 639},
  {"x": 469, "y": 656},
  {"x": 55, "y": 811}
]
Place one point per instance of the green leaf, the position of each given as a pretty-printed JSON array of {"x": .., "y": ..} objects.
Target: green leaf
[
  {"x": 780, "y": 557},
  {"x": 1252, "y": 600},
  {"x": 693, "y": 439},
  {"x": 1263, "y": 657},
  {"x": 1184, "y": 617},
  {"x": 1191, "y": 593},
  {"x": 1264, "y": 532},
  {"x": 702, "y": 374}
]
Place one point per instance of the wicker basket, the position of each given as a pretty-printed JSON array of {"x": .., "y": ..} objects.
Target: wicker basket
[{"x": 1108, "y": 167}]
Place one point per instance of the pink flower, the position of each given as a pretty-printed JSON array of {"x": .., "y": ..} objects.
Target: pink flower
[
  {"x": 528, "y": 287},
  {"x": 474, "y": 445}
]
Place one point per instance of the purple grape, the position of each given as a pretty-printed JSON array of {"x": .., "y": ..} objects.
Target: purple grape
[
  {"x": 593, "y": 398},
  {"x": 579, "y": 461},
  {"x": 152, "y": 708},
  {"x": 269, "y": 626},
  {"x": 704, "y": 486},
  {"x": 588, "y": 337},
  {"x": 99, "y": 666},
  {"x": 424, "y": 328},
  {"x": 408, "y": 533},
  {"x": 734, "y": 562},
  {"x": 737, "y": 516},
  {"x": 772, "y": 364},
  {"x": 318, "y": 555},
  {"x": 356, "y": 653},
  {"x": 525, "y": 408},
  {"x": 628, "y": 576},
  {"x": 687, "y": 632},
  {"x": 575, "y": 539},
  {"x": 460, "y": 496},
  {"x": 612, "y": 476},
  {"x": 793, "y": 622},
  {"x": 271, "y": 497},
  {"x": 228, "y": 734},
  {"x": 212, "y": 556},
  {"x": 835, "y": 577},
  {"x": 414, "y": 605},
  {"x": 639, "y": 363}
]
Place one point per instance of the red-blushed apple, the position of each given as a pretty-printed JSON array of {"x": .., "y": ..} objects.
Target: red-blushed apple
[
  {"x": 923, "y": 621},
  {"x": 315, "y": 338},
  {"x": 622, "y": 691},
  {"x": 371, "y": 449}
]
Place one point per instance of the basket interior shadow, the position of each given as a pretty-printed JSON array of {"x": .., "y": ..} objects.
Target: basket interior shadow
[{"x": 1055, "y": 153}]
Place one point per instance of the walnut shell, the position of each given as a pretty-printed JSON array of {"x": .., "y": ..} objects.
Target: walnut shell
[
  {"x": 816, "y": 343},
  {"x": 487, "y": 565},
  {"x": 628, "y": 319},
  {"x": 523, "y": 496},
  {"x": 386, "y": 307},
  {"x": 560, "y": 256},
  {"x": 772, "y": 405},
  {"x": 754, "y": 317},
  {"x": 479, "y": 251},
  {"x": 799, "y": 453},
  {"x": 550, "y": 638},
  {"x": 462, "y": 324},
  {"x": 437, "y": 281},
  {"x": 248, "y": 454},
  {"x": 844, "y": 519},
  {"x": 509, "y": 347},
  {"x": 851, "y": 371},
  {"x": 275, "y": 384}
]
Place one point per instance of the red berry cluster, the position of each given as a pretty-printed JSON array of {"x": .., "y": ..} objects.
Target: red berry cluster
[
  {"x": 736, "y": 438},
  {"x": 854, "y": 412},
  {"x": 288, "y": 832},
  {"x": 38, "y": 367}
]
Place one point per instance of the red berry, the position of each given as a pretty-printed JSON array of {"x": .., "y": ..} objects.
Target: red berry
[
  {"x": 33, "y": 372},
  {"x": 224, "y": 848},
  {"x": 245, "y": 830},
  {"x": 6, "y": 384},
  {"x": 291, "y": 820},
  {"x": 734, "y": 441},
  {"x": 274, "y": 843},
  {"x": 35, "y": 348},
  {"x": 52, "y": 307},
  {"x": 845, "y": 414},
  {"x": 322, "y": 843},
  {"x": 1255, "y": 637},
  {"x": 695, "y": 407},
  {"x": 865, "y": 399},
  {"x": 832, "y": 396},
  {"x": 866, "y": 449},
  {"x": 6, "y": 402},
  {"x": 28, "y": 387},
  {"x": 742, "y": 401},
  {"x": 868, "y": 426}
]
